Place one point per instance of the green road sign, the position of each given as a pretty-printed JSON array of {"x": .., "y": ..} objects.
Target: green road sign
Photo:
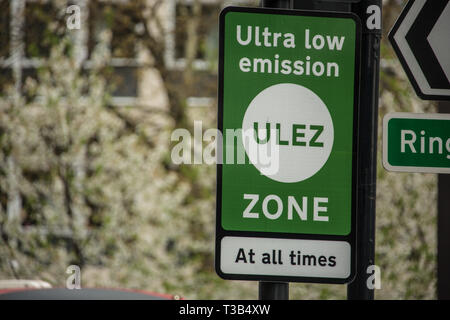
[
  {"x": 288, "y": 94},
  {"x": 414, "y": 142}
]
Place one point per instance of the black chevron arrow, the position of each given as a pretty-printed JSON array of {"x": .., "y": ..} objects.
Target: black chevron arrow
[{"x": 417, "y": 40}]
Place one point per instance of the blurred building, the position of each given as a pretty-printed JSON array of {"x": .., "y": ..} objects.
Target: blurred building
[{"x": 31, "y": 27}]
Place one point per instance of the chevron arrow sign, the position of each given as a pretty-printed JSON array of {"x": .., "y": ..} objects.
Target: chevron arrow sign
[{"x": 421, "y": 40}]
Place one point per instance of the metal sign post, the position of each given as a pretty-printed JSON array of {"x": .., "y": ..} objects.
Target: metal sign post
[
  {"x": 370, "y": 12},
  {"x": 443, "y": 228}
]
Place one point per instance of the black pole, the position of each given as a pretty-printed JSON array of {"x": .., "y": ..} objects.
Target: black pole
[
  {"x": 274, "y": 290},
  {"x": 443, "y": 226},
  {"x": 286, "y": 4},
  {"x": 367, "y": 164},
  {"x": 367, "y": 133},
  {"x": 367, "y": 138}
]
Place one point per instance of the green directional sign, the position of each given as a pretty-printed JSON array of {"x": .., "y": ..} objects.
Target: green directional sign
[
  {"x": 288, "y": 94},
  {"x": 414, "y": 142}
]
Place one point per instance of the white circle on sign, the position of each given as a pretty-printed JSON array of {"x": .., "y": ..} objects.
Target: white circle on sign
[{"x": 287, "y": 133}]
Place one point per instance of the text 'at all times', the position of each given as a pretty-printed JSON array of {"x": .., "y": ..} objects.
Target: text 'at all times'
[{"x": 295, "y": 258}]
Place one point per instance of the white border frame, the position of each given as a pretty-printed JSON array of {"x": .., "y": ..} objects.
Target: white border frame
[{"x": 407, "y": 115}]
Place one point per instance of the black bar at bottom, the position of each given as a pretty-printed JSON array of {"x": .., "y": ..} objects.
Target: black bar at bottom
[{"x": 273, "y": 290}]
